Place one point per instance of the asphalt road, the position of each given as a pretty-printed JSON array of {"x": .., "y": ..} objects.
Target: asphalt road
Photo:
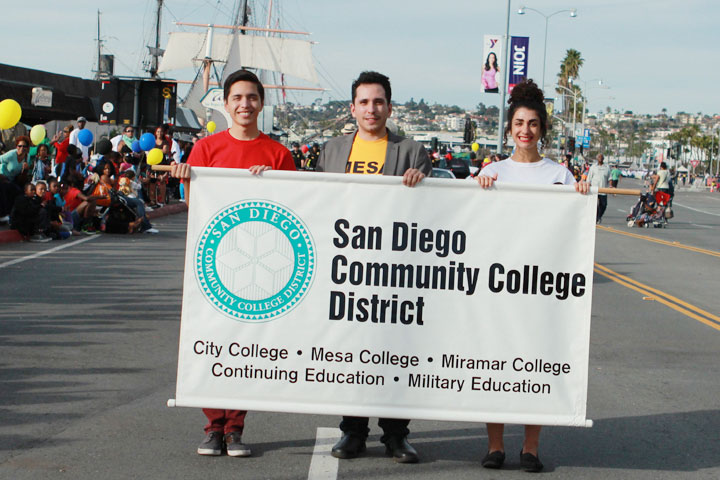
[{"x": 88, "y": 335}]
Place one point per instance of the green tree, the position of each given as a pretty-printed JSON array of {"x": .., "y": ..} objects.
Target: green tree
[{"x": 569, "y": 71}]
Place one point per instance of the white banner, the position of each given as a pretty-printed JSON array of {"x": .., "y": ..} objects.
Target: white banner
[{"x": 352, "y": 294}]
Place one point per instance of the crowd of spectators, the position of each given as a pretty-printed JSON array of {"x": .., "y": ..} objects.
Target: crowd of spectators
[{"x": 61, "y": 187}]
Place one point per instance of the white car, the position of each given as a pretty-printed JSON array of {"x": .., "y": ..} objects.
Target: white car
[{"x": 442, "y": 173}]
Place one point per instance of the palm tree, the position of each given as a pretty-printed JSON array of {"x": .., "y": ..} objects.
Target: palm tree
[{"x": 569, "y": 70}]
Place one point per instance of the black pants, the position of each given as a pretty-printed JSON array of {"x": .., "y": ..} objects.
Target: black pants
[
  {"x": 8, "y": 192},
  {"x": 391, "y": 427},
  {"x": 601, "y": 206}
]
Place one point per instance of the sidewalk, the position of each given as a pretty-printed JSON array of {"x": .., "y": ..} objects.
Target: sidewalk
[{"x": 9, "y": 236}]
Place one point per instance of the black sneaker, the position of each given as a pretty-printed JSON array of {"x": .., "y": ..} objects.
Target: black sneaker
[
  {"x": 235, "y": 447},
  {"x": 530, "y": 463},
  {"x": 212, "y": 445},
  {"x": 493, "y": 459}
]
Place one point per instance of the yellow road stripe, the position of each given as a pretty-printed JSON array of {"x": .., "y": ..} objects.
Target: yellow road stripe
[
  {"x": 701, "y": 316},
  {"x": 661, "y": 293},
  {"x": 662, "y": 242}
]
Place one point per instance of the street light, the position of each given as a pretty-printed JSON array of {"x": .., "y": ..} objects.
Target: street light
[
  {"x": 521, "y": 11},
  {"x": 574, "y": 95},
  {"x": 586, "y": 90}
]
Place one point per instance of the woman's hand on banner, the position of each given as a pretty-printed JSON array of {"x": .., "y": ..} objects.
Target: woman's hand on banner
[
  {"x": 412, "y": 177},
  {"x": 258, "y": 169},
  {"x": 486, "y": 182},
  {"x": 582, "y": 187}
]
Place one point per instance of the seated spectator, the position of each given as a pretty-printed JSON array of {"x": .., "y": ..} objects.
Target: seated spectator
[
  {"x": 128, "y": 189},
  {"x": 40, "y": 165},
  {"x": 28, "y": 217},
  {"x": 104, "y": 184},
  {"x": 82, "y": 208}
]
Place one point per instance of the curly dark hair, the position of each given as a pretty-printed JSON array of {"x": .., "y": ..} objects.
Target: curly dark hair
[{"x": 527, "y": 94}]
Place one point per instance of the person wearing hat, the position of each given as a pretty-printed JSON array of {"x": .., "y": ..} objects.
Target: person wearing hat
[
  {"x": 348, "y": 129},
  {"x": 81, "y": 122},
  {"x": 298, "y": 156}
]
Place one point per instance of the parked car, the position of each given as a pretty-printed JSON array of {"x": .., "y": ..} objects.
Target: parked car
[
  {"x": 459, "y": 167},
  {"x": 442, "y": 173}
]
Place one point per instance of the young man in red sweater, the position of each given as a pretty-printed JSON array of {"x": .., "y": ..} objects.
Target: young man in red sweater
[{"x": 243, "y": 145}]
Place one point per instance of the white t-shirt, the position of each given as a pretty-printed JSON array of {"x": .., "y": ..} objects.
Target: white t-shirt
[
  {"x": 544, "y": 172},
  {"x": 175, "y": 151},
  {"x": 74, "y": 141},
  {"x": 115, "y": 141}
]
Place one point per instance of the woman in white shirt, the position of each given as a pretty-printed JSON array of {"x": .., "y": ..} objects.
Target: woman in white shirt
[{"x": 528, "y": 126}]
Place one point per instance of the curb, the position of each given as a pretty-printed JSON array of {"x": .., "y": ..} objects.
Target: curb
[
  {"x": 12, "y": 236},
  {"x": 167, "y": 210}
]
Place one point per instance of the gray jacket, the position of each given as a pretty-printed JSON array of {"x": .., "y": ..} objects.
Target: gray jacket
[{"x": 402, "y": 154}]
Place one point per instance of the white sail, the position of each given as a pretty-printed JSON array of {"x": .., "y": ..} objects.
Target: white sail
[
  {"x": 283, "y": 55},
  {"x": 288, "y": 56},
  {"x": 187, "y": 49},
  {"x": 193, "y": 97}
]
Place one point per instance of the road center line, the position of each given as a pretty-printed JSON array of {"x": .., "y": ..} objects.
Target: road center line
[
  {"x": 324, "y": 466},
  {"x": 46, "y": 252},
  {"x": 668, "y": 300},
  {"x": 662, "y": 242}
]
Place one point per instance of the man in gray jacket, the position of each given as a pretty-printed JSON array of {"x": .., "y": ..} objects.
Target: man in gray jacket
[{"x": 373, "y": 150}]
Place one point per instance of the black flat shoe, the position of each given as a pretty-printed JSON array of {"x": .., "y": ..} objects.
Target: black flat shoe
[
  {"x": 349, "y": 446},
  {"x": 401, "y": 450},
  {"x": 493, "y": 459},
  {"x": 530, "y": 463}
]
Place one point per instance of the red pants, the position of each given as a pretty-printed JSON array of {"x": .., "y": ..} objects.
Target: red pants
[{"x": 224, "y": 421}]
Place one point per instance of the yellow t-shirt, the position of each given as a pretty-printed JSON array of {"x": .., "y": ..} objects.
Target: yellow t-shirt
[{"x": 367, "y": 157}]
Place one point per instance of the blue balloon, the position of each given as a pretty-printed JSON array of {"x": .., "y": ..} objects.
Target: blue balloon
[
  {"x": 147, "y": 141},
  {"x": 135, "y": 146},
  {"x": 85, "y": 137}
]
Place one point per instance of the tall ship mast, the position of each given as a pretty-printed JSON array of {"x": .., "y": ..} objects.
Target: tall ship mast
[{"x": 215, "y": 51}]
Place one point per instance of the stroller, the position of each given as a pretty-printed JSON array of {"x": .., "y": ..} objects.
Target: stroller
[
  {"x": 650, "y": 210},
  {"x": 119, "y": 217}
]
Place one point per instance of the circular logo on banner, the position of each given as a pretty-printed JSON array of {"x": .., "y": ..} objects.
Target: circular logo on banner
[{"x": 255, "y": 261}]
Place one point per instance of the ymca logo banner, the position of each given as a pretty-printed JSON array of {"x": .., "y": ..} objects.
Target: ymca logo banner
[{"x": 354, "y": 295}]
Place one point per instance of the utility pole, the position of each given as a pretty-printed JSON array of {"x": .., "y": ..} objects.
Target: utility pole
[
  {"x": 97, "y": 73},
  {"x": 504, "y": 75}
]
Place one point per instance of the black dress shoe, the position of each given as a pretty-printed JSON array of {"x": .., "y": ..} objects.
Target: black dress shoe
[
  {"x": 493, "y": 459},
  {"x": 530, "y": 463},
  {"x": 349, "y": 446},
  {"x": 401, "y": 450}
]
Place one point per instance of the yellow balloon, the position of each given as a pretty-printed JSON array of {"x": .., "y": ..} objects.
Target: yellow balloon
[
  {"x": 211, "y": 126},
  {"x": 475, "y": 147},
  {"x": 154, "y": 156},
  {"x": 10, "y": 113},
  {"x": 37, "y": 134}
]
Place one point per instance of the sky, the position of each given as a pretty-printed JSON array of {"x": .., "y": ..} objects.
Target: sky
[{"x": 649, "y": 54}]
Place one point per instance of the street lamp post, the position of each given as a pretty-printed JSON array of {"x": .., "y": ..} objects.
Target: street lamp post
[
  {"x": 521, "y": 11},
  {"x": 574, "y": 95},
  {"x": 586, "y": 91},
  {"x": 505, "y": 79}
]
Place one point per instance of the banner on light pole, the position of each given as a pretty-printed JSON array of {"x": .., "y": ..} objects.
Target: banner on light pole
[
  {"x": 492, "y": 59},
  {"x": 518, "y": 70}
]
